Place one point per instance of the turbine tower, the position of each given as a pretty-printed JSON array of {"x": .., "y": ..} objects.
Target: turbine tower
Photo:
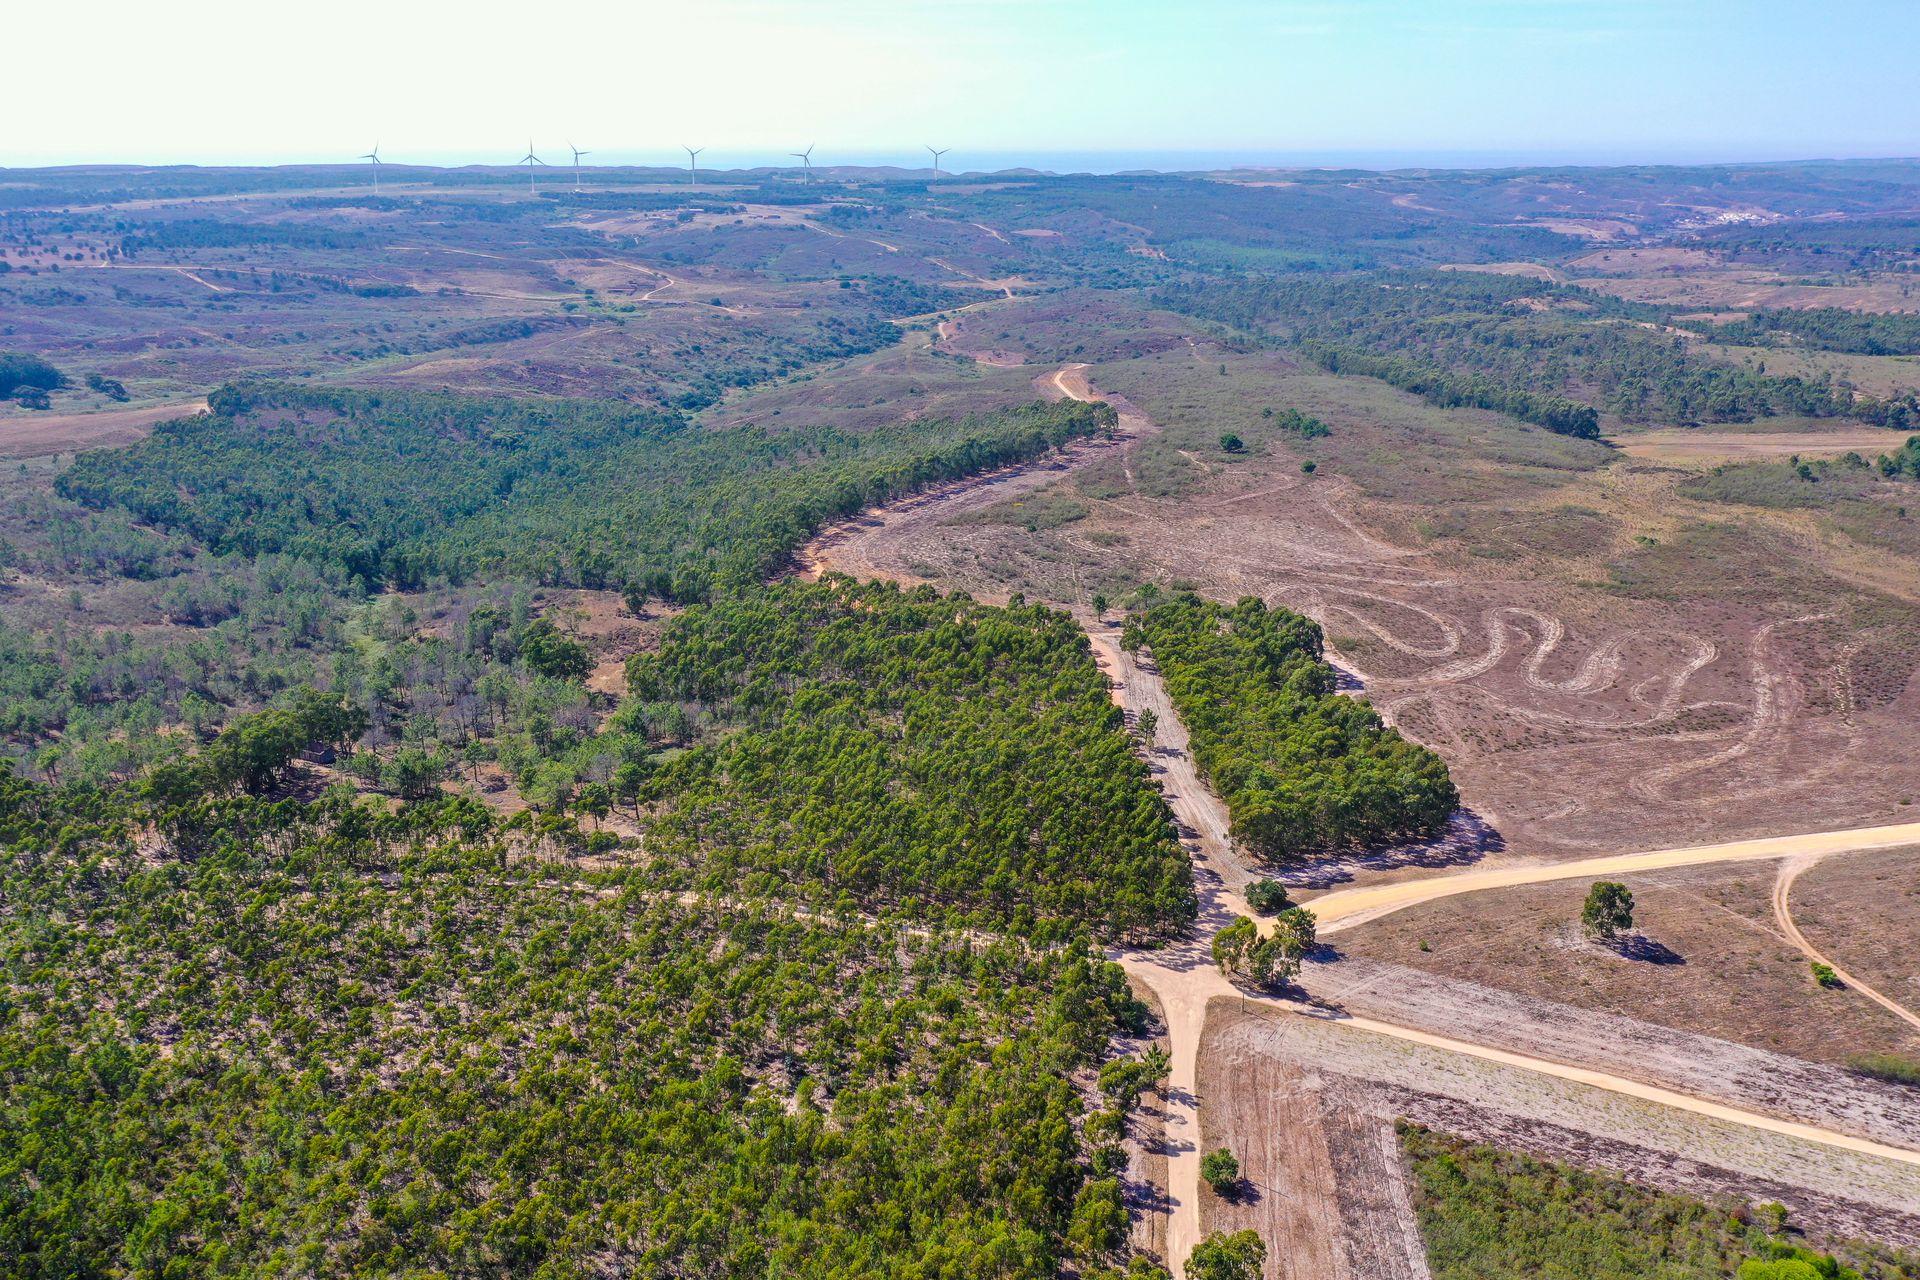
[
  {"x": 806, "y": 159},
  {"x": 374, "y": 155},
  {"x": 530, "y": 160},
  {"x": 693, "y": 155},
  {"x": 937, "y": 153},
  {"x": 577, "y": 153}
]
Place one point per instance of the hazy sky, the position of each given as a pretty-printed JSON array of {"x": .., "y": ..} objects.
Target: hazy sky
[{"x": 997, "y": 80}]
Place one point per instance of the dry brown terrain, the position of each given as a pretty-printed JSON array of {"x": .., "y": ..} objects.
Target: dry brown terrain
[
  {"x": 31, "y": 434},
  {"x": 1697, "y": 277},
  {"x": 1830, "y": 1191},
  {"x": 1604, "y": 663},
  {"x": 1707, "y": 958},
  {"x": 1708, "y": 446},
  {"x": 1864, "y": 911}
]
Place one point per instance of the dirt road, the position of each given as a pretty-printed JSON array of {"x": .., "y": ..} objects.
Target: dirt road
[{"x": 1347, "y": 907}]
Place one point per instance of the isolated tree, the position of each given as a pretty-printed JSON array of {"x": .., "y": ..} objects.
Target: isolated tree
[
  {"x": 1239, "y": 1256},
  {"x": 1100, "y": 603},
  {"x": 634, "y": 596},
  {"x": 1221, "y": 1170},
  {"x": 1149, "y": 723},
  {"x": 1608, "y": 911},
  {"x": 1232, "y": 443}
]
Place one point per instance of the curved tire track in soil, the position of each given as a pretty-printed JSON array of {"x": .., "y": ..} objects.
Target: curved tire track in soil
[{"x": 1790, "y": 870}]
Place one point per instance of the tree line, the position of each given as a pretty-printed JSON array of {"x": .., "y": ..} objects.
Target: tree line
[
  {"x": 395, "y": 488},
  {"x": 1302, "y": 768}
]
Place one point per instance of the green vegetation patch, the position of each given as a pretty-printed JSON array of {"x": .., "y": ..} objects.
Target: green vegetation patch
[
  {"x": 1547, "y": 354},
  {"x": 1494, "y": 1215},
  {"x": 910, "y": 749},
  {"x": 397, "y": 488},
  {"x": 343, "y": 1042},
  {"x": 1301, "y": 767}
]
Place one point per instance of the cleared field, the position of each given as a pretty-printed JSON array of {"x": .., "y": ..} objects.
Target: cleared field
[
  {"x": 1864, "y": 911},
  {"x": 1828, "y": 1191},
  {"x": 1708, "y": 446},
  {"x": 1707, "y": 957},
  {"x": 1603, "y": 662},
  {"x": 28, "y": 434}
]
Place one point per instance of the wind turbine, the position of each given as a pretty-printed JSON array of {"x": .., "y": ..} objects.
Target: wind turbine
[
  {"x": 693, "y": 154},
  {"x": 577, "y": 153},
  {"x": 374, "y": 155},
  {"x": 806, "y": 159},
  {"x": 937, "y": 153},
  {"x": 530, "y": 160}
]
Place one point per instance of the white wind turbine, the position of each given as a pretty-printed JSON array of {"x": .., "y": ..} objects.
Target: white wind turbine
[
  {"x": 530, "y": 160},
  {"x": 577, "y": 153},
  {"x": 374, "y": 155},
  {"x": 937, "y": 153},
  {"x": 806, "y": 159},
  {"x": 693, "y": 155}
]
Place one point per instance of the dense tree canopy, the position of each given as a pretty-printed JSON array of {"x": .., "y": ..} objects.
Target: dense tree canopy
[
  {"x": 396, "y": 487},
  {"x": 1301, "y": 768},
  {"x": 333, "y": 1040},
  {"x": 909, "y": 747}
]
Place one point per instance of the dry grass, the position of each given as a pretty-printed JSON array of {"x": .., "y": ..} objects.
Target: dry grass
[{"x": 1706, "y": 957}]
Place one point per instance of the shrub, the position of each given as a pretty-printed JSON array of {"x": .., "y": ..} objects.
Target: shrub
[
  {"x": 1233, "y": 443},
  {"x": 1221, "y": 1170},
  {"x": 1268, "y": 897},
  {"x": 1825, "y": 975},
  {"x": 20, "y": 371},
  {"x": 1890, "y": 1067}
]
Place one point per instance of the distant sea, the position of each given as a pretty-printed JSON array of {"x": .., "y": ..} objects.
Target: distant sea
[{"x": 961, "y": 160}]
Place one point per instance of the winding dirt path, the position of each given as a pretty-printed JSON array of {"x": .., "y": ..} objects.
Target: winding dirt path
[{"x": 1790, "y": 870}]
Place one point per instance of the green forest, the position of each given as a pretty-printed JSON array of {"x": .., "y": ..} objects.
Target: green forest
[
  {"x": 1552, "y": 355},
  {"x": 1302, "y": 768},
  {"x": 332, "y": 1040},
  {"x": 913, "y": 750},
  {"x": 397, "y": 488}
]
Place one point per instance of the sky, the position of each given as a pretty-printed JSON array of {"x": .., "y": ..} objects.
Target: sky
[{"x": 1061, "y": 84}]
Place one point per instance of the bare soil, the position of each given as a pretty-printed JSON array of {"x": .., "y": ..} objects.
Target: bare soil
[
  {"x": 1705, "y": 446},
  {"x": 1829, "y": 1191},
  {"x": 1864, "y": 911},
  {"x": 31, "y": 434},
  {"x": 1706, "y": 957}
]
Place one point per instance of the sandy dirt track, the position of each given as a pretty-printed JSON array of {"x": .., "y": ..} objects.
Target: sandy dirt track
[
  {"x": 1345, "y": 908},
  {"x": 1790, "y": 870}
]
